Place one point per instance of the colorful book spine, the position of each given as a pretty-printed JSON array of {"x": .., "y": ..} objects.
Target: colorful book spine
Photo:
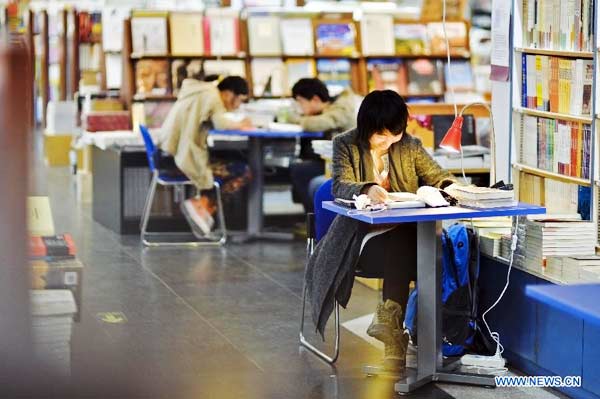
[
  {"x": 562, "y": 146},
  {"x": 558, "y": 85}
]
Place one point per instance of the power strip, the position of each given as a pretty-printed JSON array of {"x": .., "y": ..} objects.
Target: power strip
[{"x": 496, "y": 362}]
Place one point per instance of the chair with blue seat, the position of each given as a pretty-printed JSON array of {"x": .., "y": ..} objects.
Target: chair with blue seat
[
  {"x": 317, "y": 225},
  {"x": 178, "y": 181}
]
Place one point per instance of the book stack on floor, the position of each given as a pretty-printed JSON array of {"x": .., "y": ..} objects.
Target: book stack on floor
[
  {"x": 543, "y": 238},
  {"x": 52, "y": 322},
  {"x": 55, "y": 283},
  {"x": 575, "y": 268},
  {"x": 483, "y": 197}
]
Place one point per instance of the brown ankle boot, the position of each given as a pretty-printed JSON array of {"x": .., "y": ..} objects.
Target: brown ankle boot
[
  {"x": 387, "y": 318},
  {"x": 387, "y": 328},
  {"x": 394, "y": 358}
]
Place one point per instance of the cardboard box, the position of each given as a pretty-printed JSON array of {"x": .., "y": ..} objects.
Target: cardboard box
[
  {"x": 61, "y": 274},
  {"x": 56, "y": 149}
]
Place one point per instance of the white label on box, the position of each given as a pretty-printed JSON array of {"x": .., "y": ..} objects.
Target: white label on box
[{"x": 71, "y": 278}]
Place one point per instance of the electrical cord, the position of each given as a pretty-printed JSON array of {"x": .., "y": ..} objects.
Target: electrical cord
[{"x": 495, "y": 335}]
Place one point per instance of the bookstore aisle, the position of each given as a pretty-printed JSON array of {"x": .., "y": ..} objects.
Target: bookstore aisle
[{"x": 208, "y": 323}]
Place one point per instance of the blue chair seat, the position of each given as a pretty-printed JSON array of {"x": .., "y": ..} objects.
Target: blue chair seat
[{"x": 170, "y": 178}]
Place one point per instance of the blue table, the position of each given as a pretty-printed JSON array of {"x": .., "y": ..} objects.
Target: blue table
[
  {"x": 580, "y": 300},
  {"x": 255, "y": 195},
  {"x": 430, "y": 366}
]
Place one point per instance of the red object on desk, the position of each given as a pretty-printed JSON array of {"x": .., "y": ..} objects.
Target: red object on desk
[{"x": 452, "y": 139}]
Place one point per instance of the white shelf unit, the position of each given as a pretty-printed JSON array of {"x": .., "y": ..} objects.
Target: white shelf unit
[{"x": 519, "y": 160}]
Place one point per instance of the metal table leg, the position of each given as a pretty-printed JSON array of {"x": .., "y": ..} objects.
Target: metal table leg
[
  {"x": 429, "y": 353},
  {"x": 255, "y": 195}
]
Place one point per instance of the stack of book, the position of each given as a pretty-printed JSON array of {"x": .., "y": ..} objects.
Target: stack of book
[
  {"x": 491, "y": 244},
  {"x": 575, "y": 268},
  {"x": 52, "y": 321},
  {"x": 54, "y": 266},
  {"x": 539, "y": 240},
  {"x": 483, "y": 197}
]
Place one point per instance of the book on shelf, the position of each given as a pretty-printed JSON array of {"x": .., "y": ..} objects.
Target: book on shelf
[
  {"x": 186, "y": 33},
  {"x": 221, "y": 32},
  {"x": 90, "y": 27},
  {"x": 297, "y": 36},
  {"x": 457, "y": 38},
  {"x": 424, "y": 77},
  {"x": 152, "y": 77},
  {"x": 568, "y": 89},
  {"x": 377, "y": 34},
  {"x": 263, "y": 35},
  {"x": 570, "y": 29},
  {"x": 335, "y": 38},
  {"x": 459, "y": 76},
  {"x": 151, "y": 114},
  {"x": 336, "y": 74},
  {"x": 53, "y": 247},
  {"x": 182, "y": 69},
  {"x": 113, "y": 66},
  {"x": 39, "y": 216},
  {"x": 556, "y": 146},
  {"x": 225, "y": 68},
  {"x": 560, "y": 197},
  {"x": 410, "y": 39},
  {"x": 433, "y": 9},
  {"x": 106, "y": 121},
  {"x": 112, "y": 27},
  {"x": 90, "y": 56},
  {"x": 149, "y": 33},
  {"x": 268, "y": 77},
  {"x": 298, "y": 69},
  {"x": 387, "y": 74}
]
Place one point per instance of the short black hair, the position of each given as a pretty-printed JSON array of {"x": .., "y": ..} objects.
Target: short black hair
[
  {"x": 379, "y": 110},
  {"x": 235, "y": 84},
  {"x": 309, "y": 87}
]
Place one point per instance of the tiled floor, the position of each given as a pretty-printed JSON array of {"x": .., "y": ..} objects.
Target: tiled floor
[{"x": 208, "y": 323}]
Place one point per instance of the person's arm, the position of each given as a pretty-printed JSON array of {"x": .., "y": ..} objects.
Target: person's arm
[
  {"x": 345, "y": 181},
  {"x": 428, "y": 169},
  {"x": 219, "y": 119},
  {"x": 332, "y": 118}
]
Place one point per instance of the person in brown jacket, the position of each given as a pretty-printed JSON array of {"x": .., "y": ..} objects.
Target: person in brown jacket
[
  {"x": 201, "y": 106},
  {"x": 376, "y": 158},
  {"x": 320, "y": 113}
]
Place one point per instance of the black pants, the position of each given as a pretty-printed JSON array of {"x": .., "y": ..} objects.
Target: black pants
[
  {"x": 302, "y": 172},
  {"x": 393, "y": 257}
]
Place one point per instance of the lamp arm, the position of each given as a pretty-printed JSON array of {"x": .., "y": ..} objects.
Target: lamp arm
[{"x": 492, "y": 138}]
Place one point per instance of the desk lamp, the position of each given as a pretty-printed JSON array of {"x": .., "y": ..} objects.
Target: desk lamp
[{"x": 452, "y": 140}]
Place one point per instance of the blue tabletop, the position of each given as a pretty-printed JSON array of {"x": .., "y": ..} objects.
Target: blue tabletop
[
  {"x": 393, "y": 216},
  {"x": 582, "y": 300},
  {"x": 268, "y": 134}
]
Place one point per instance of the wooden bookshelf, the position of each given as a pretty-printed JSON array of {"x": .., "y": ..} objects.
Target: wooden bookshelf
[
  {"x": 477, "y": 111},
  {"x": 558, "y": 53},
  {"x": 551, "y": 175},
  {"x": 359, "y": 79},
  {"x": 553, "y": 115},
  {"x": 44, "y": 64}
]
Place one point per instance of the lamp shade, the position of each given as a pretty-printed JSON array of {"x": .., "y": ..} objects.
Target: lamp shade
[{"x": 452, "y": 139}]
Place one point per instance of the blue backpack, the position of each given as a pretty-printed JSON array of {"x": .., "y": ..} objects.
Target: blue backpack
[{"x": 460, "y": 271}]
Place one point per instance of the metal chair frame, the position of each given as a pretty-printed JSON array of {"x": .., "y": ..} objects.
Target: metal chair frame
[
  {"x": 331, "y": 359},
  {"x": 177, "y": 184},
  {"x": 145, "y": 234}
]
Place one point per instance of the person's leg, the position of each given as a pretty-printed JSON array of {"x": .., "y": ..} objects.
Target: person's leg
[
  {"x": 301, "y": 174},
  {"x": 392, "y": 256},
  {"x": 400, "y": 267}
]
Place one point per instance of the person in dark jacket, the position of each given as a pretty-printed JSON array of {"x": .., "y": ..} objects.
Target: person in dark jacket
[{"x": 376, "y": 158}]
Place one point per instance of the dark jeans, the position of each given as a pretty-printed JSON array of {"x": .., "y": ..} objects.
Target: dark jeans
[
  {"x": 302, "y": 172},
  {"x": 393, "y": 257}
]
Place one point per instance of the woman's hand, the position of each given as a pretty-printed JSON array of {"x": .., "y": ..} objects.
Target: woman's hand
[{"x": 377, "y": 194}]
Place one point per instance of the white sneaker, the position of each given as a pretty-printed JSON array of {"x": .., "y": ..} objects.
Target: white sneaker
[{"x": 197, "y": 211}]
